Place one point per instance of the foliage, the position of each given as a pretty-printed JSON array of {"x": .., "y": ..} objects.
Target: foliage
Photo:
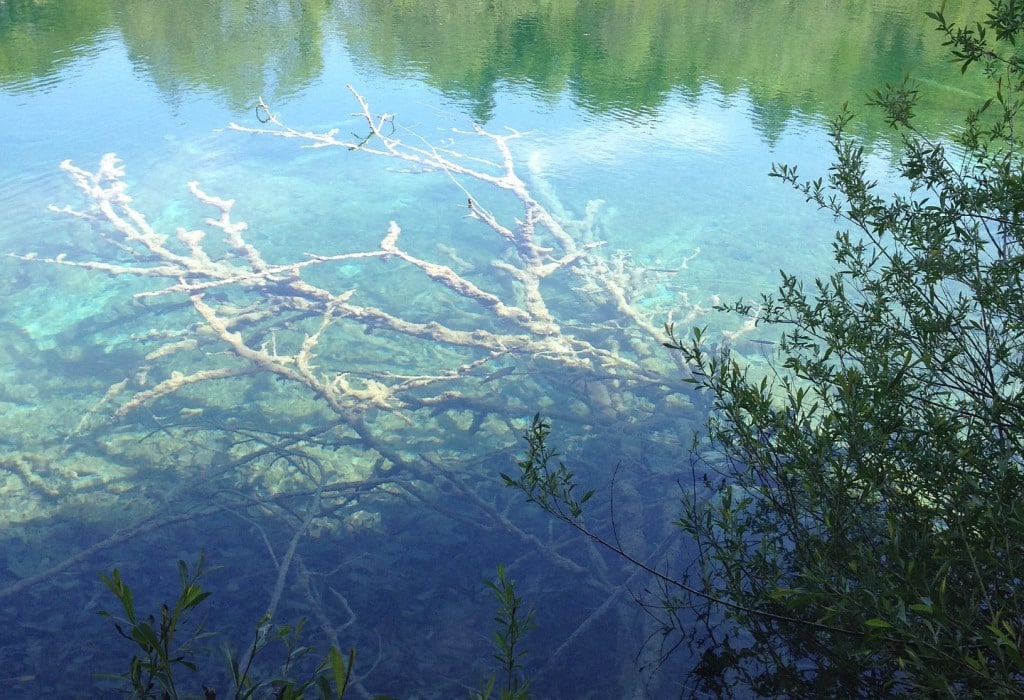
[
  {"x": 160, "y": 651},
  {"x": 550, "y": 488},
  {"x": 858, "y": 507},
  {"x": 163, "y": 649},
  {"x": 513, "y": 623},
  {"x": 872, "y": 483}
]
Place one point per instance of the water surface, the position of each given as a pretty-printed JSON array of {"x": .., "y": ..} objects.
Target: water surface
[{"x": 645, "y": 127}]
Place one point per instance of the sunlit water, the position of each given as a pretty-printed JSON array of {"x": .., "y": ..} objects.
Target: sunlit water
[{"x": 415, "y": 518}]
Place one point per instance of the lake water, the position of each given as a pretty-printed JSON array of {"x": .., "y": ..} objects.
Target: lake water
[{"x": 335, "y": 447}]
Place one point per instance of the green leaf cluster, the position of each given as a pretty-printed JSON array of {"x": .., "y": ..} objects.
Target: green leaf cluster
[
  {"x": 512, "y": 624},
  {"x": 550, "y": 487},
  {"x": 172, "y": 644},
  {"x": 160, "y": 652},
  {"x": 165, "y": 646},
  {"x": 861, "y": 503}
]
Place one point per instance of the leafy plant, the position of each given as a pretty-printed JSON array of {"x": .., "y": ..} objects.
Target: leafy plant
[
  {"x": 160, "y": 653},
  {"x": 163, "y": 650},
  {"x": 548, "y": 486},
  {"x": 329, "y": 680},
  {"x": 858, "y": 505},
  {"x": 872, "y": 481},
  {"x": 513, "y": 624}
]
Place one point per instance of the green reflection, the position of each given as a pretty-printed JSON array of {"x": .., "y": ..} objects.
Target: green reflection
[
  {"x": 623, "y": 57},
  {"x": 239, "y": 49},
  {"x": 629, "y": 55},
  {"x": 38, "y": 39}
]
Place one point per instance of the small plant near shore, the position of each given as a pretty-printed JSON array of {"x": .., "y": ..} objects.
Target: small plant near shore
[
  {"x": 855, "y": 507},
  {"x": 162, "y": 666},
  {"x": 513, "y": 623}
]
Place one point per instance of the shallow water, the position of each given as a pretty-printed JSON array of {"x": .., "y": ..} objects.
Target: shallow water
[{"x": 646, "y": 128}]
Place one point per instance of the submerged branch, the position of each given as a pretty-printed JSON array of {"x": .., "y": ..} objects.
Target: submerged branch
[{"x": 349, "y": 354}]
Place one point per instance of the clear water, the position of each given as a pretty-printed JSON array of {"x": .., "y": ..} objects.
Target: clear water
[{"x": 661, "y": 119}]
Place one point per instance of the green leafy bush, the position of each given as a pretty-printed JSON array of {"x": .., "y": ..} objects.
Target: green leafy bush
[
  {"x": 858, "y": 511},
  {"x": 167, "y": 645},
  {"x": 868, "y": 492},
  {"x": 513, "y": 623}
]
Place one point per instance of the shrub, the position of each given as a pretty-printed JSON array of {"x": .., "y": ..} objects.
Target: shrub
[{"x": 859, "y": 507}]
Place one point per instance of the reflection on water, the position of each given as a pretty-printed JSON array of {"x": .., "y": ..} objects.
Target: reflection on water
[{"x": 365, "y": 415}]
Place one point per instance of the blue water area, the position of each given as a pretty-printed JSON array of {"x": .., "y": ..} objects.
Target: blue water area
[{"x": 332, "y": 432}]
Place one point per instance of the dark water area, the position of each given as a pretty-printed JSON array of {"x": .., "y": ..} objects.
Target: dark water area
[{"x": 324, "y": 409}]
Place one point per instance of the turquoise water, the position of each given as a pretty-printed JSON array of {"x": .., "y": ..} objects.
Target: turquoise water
[{"x": 389, "y": 497}]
